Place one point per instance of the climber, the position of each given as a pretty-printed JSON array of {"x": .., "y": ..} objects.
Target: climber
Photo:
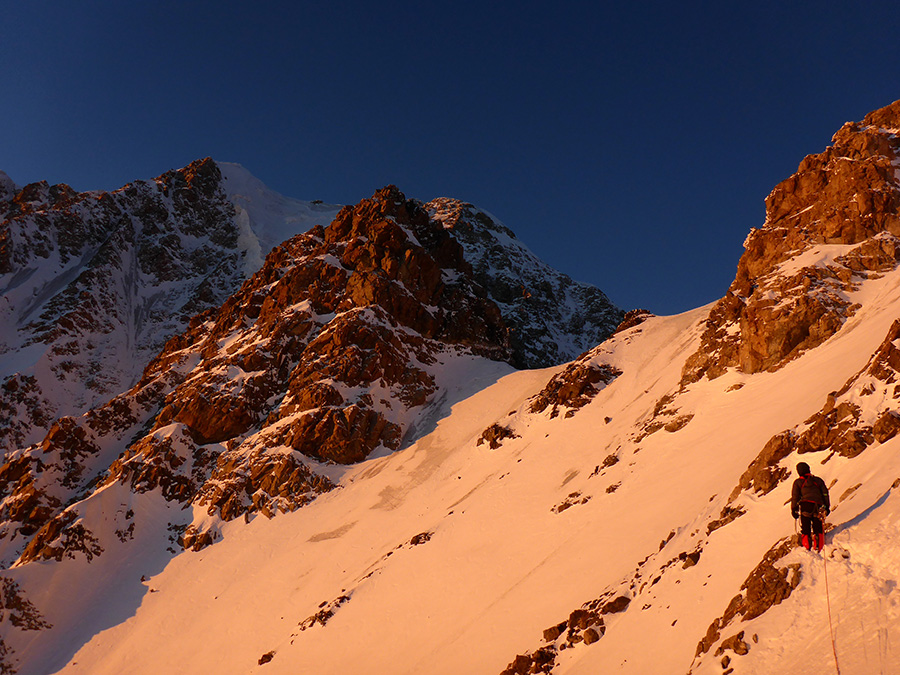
[{"x": 810, "y": 503}]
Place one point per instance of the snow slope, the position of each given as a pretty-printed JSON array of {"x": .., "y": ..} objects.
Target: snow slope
[
  {"x": 451, "y": 557},
  {"x": 266, "y": 218}
]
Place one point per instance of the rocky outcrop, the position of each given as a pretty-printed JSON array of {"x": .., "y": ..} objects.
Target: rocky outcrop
[
  {"x": 632, "y": 318},
  {"x": 832, "y": 224},
  {"x": 17, "y": 613},
  {"x": 769, "y": 584},
  {"x": 494, "y": 435},
  {"x": 540, "y": 661},
  {"x": 665, "y": 415},
  {"x": 765, "y": 471},
  {"x": 17, "y": 609},
  {"x": 263, "y": 481},
  {"x": 324, "y": 615},
  {"x": 584, "y": 627},
  {"x": 63, "y": 536},
  {"x": 575, "y": 386}
]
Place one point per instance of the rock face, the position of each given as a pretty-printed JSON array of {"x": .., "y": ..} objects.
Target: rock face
[
  {"x": 94, "y": 283},
  {"x": 575, "y": 386},
  {"x": 832, "y": 224},
  {"x": 330, "y": 352},
  {"x": 582, "y": 379},
  {"x": 552, "y": 319},
  {"x": 584, "y": 627}
]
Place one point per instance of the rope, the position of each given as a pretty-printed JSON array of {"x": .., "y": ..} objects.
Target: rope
[{"x": 837, "y": 666}]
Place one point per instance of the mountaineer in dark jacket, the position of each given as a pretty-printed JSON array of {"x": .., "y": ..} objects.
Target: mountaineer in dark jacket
[{"x": 810, "y": 503}]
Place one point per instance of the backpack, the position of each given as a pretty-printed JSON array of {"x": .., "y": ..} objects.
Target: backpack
[{"x": 812, "y": 497}]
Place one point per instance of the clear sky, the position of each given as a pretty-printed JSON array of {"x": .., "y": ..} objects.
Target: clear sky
[{"x": 630, "y": 145}]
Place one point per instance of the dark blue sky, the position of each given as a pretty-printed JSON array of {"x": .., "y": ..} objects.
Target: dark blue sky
[{"x": 630, "y": 148}]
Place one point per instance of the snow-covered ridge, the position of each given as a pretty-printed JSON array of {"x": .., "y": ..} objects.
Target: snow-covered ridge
[{"x": 554, "y": 318}]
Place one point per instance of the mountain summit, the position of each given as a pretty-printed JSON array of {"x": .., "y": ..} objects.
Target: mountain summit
[{"x": 841, "y": 208}]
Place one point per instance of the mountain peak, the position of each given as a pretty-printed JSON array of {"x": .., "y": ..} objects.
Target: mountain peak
[
  {"x": 8, "y": 188},
  {"x": 340, "y": 346},
  {"x": 266, "y": 218},
  {"x": 96, "y": 282}
]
